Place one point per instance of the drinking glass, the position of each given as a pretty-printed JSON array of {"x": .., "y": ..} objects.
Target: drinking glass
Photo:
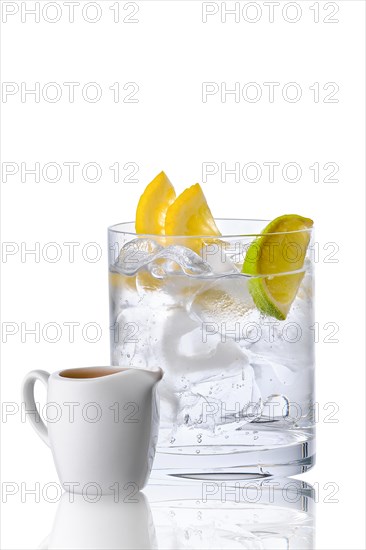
[{"x": 237, "y": 398}]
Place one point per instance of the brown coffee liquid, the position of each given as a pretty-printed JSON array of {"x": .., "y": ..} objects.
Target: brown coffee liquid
[{"x": 89, "y": 372}]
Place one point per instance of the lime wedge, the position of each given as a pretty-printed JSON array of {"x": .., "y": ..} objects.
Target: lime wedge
[{"x": 276, "y": 260}]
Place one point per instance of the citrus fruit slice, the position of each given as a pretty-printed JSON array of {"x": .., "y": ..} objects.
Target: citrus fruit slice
[
  {"x": 190, "y": 214},
  {"x": 275, "y": 260},
  {"x": 153, "y": 205}
]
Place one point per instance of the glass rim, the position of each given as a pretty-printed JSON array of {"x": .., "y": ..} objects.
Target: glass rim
[{"x": 113, "y": 229}]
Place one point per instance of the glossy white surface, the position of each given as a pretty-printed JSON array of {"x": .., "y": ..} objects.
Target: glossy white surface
[
  {"x": 169, "y": 53},
  {"x": 274, "y": 514},
  {"x": 102, "y": 524}
]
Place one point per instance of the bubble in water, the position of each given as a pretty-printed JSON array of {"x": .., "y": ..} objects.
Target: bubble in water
[{"x": 276, "y": 407}]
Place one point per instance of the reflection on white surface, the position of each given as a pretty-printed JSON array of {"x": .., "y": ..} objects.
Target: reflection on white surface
[
  {"x": 269, "y": 514},
  {"x": 106, "y": 524}
]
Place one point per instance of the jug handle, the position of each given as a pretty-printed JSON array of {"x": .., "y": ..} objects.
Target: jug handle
[{"x": 30, "y": 404}]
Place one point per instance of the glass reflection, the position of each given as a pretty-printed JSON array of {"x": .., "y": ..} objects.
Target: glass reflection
[{"x": 267, "y": 514}]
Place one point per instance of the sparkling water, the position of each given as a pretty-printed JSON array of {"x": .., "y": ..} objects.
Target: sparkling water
[{"x": 236, "y": 382}]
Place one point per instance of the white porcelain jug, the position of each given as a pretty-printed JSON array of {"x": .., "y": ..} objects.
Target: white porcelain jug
[{"x": 102, "y": 426}]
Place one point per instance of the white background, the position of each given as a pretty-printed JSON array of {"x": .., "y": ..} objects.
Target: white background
[{"x": 169, "y": 53}]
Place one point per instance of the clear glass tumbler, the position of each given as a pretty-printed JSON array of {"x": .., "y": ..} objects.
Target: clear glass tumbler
[{"x": 237, "y": 397}]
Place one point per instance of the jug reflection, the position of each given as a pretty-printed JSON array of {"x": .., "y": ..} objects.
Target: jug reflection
[
  {"x": 266, "y": 514},
  {"x": 82, "y": 524}
]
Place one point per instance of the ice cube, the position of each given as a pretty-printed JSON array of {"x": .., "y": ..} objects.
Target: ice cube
[
  {"x": 136, "y": 254},
  {"x": 226, "y": 306},
  {"x": 234, "y": 396},
  {"x": 176, "y": 256},
  {"x": 217, "y": 256},
  {"x": 136, "y": 336},
  {"x": 192, "y": 411},
  {"x": 123, "y": 293},
  {"x": 271, "y": 377},
  {"x": 192, "y": 344},
  {"x": 191, "y": 354},
  {"x": 212, "y": 389},
  {"x": 289, "y": 342},
  {"x": 154, "y": 292},
  {"x": 277, "y": 379},
  {"x": 172, "y": 277},
  {"x": 170, "y": 404}
]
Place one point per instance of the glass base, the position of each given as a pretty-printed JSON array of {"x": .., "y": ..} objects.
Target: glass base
[{"x": 236, "y": 463}]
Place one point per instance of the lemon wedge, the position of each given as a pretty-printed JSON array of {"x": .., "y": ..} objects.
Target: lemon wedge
[
  {"x": 190, "y": 214},
  {"x": 153, "y": 205},
  {"x": 271, "y": 259}
]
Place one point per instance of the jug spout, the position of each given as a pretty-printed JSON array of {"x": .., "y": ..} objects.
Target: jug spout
[
  {"x": 147, "y": 377},
  {"x": 156, "y": 375},
  {"x": 159, "y": 373}
]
